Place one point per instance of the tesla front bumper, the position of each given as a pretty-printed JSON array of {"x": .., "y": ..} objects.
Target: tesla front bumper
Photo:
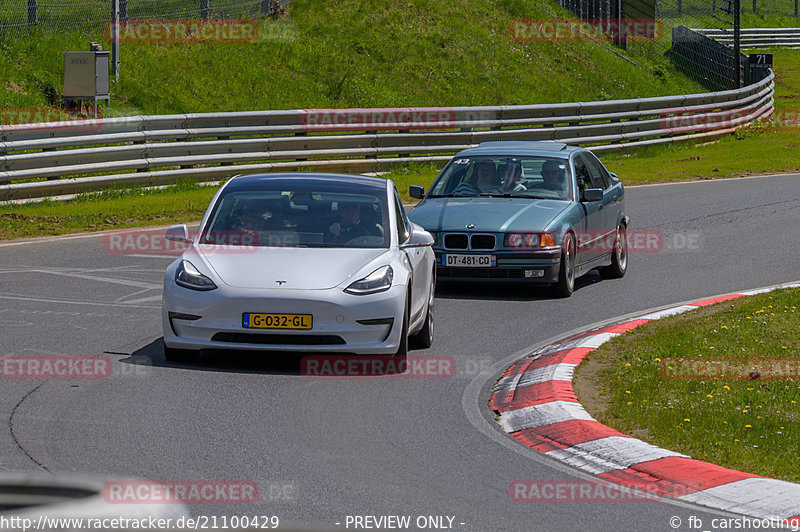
[{"x": 361, "y": 324}]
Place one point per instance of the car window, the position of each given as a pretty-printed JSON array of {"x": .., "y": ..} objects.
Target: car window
[
  {"x": 403, "y": 225},
  {"x": 298, "y": 217},
  {"x": 582, "y": 176},
  {"x": 600, "y": 178},
  {"x": 503, "y": 175}
]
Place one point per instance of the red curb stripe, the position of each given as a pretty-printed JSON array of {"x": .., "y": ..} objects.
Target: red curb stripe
[
  {"x": 625, "y": 326},
  {"x": 706, "y": 302},
  {"x": 535, "y": 394},
  {"x": 518, "y": 368},
  {"x": 565, "y": 356},
  {"x": 676, "y": 476},
  {"x": 793, "y": 520},
  {"x": 564, "y": 434}
]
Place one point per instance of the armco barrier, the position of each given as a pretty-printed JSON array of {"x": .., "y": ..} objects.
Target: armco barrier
[
  {"x": 40, "y": 160},
  {"x": 755, "y": 37}
]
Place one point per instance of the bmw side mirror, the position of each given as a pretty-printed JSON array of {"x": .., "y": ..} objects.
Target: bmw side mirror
[
  {"x": 178, "y": 233},
  {"x": 592, "y": 194},
  {"x": 416, "y": 192},
  {"x": 612, "y": 174}
]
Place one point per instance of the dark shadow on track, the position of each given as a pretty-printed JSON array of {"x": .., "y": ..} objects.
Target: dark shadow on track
[
  {"x": 265, "y": 362},
  {"x": 508, "y": 291}
]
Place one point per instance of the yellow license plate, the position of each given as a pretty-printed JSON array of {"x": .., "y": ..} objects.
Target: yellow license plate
[{"x": 251, "y": 320}]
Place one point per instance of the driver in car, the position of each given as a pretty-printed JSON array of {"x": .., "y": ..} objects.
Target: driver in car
[
  {"x": 349, "y": 225},
  {"x": 552, "y": 176}
]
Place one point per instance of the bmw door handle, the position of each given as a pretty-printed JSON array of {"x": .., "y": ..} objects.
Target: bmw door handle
[{"x": 600, "y": 208}]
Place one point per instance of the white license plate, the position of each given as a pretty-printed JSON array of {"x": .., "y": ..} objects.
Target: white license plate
[{"x": 469, "y": 261}]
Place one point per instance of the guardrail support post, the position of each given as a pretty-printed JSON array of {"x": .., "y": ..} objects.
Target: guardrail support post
[{"x": 33, "y": 13}]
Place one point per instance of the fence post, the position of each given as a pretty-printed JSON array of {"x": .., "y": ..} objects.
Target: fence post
[
  {"x": 680, "y": 7},
  {"x": 795, "y": 7},
  {"x": 33, "y": 14},
  {"x": 737, "y": 39},
  {"x": 123, "y": 9},
  {"x": 266, "y": 8},
  {"x": 115, "y": 13},
  {"x": 754, "y": 7},
  {"x": 204, "y": 9}
]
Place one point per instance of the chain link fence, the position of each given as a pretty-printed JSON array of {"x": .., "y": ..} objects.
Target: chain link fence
[{"x": 64, "y": 15}]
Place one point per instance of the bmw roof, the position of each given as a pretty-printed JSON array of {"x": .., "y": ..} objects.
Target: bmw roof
[{"x": 522, "y": 147}]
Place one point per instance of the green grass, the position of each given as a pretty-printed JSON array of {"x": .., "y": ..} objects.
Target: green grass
[
  {"x": 349, "y": 54},
  {"x": 748, "y": 424}
]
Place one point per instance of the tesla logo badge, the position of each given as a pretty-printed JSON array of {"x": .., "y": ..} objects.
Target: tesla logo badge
[
  {"x": 471, "y": 226},
  {"x": 280, "y": 282}
]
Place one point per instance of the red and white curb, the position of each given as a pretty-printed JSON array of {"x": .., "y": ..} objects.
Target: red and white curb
[{"x": 536, "y": 405}]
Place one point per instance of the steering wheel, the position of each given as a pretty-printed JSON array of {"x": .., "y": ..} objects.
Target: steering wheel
[{"x": 466, "y": 189}]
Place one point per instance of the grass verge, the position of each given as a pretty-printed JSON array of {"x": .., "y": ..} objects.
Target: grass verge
[{"x": 660, "y": 383}]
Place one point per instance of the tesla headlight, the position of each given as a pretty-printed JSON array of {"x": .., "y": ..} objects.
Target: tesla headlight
[
  {"x": 188, "y": 276},
  {"x": 378, "y": 281}
]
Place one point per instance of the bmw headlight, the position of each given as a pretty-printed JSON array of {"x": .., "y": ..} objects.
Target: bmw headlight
[
  {"x": 378, "y": 281},
  {"x": 188, "y": 276}
]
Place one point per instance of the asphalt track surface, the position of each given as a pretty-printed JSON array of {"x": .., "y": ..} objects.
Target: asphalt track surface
[{"x": 339, "y": 447}]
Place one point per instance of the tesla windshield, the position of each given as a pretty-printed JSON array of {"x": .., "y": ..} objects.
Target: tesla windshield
[{"x": 292, "y": 217}]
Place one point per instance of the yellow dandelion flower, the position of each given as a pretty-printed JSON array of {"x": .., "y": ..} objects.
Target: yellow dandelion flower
[
  {"x": 745, "y": 411},
  {"x": 627, "y": 391},
  {"x": 748, "y": 426},
  {"x": 687, "y": 419},
  {"x": 735, "y": 440},
  {"x": 657, "y": 359},
  {"x": 630, "y": 403},
  {"x": 727, "y": 387},
  {"x": 627, "y": 365},
  {"x": 709, "y": 396}
]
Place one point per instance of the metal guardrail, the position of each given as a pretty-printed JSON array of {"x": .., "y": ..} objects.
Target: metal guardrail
[
  {"x": 40, "y": 160},
  {"x": 755, "y": 37}
]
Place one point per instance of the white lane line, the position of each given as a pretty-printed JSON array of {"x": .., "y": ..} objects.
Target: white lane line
[
  {"x": 143, "y": 256},
  {"x": 758, "y": 497},
  {"x": 149, "y": 299},
  {"x": 61, "y": 301},
  {"x": 126, "y": 282}
]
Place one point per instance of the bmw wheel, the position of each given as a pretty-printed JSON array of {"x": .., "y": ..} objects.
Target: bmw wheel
[
  {"x": 619, "y": 259},
  {"x": 566, "y": 275}
]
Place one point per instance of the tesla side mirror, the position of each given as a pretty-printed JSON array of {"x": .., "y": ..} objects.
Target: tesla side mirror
[
  {"x": 419, "y": 237},
  {"x": 178, "y": 233},
  {"x": 592, "y": 194},
  {"x": 416, "y": 192}
]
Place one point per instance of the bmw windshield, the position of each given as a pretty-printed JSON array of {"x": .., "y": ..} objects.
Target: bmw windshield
[{"x": 502, "y": 176}]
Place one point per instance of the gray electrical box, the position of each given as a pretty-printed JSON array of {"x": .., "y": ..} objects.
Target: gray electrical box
[{"x": 86, "y": 76}]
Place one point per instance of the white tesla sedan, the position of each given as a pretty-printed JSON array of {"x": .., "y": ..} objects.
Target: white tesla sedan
[{"x": 301, "y": 262}]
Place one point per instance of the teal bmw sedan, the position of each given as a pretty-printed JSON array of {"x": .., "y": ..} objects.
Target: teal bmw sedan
[{"x": 535, "y": 212}]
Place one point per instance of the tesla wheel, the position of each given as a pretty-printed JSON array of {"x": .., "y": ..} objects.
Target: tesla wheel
[
  {"x": 619, "y": 259},
  {"x": 566, "y": 275},
  {"x": 424, "y": 338},
  {"x": 179, "y": 355}
]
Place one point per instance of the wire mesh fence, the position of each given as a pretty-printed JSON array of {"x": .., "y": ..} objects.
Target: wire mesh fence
[{"x": 64, "y": 15}]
